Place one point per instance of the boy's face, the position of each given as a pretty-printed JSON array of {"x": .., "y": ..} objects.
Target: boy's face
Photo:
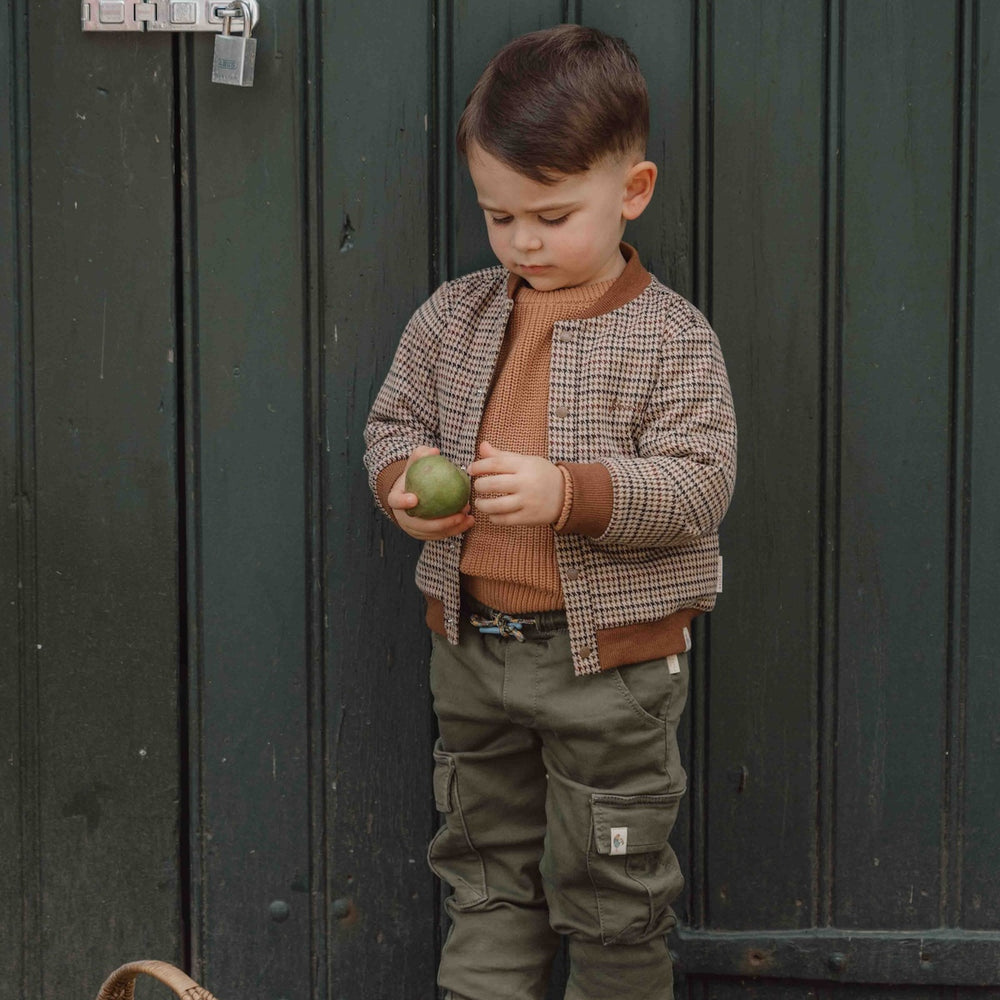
[{"x": 557, "y": 235}]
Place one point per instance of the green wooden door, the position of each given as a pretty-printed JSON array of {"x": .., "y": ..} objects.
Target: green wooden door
[
  {"x": 89, "y": 626},
  {"x": 213, "y": 702}
]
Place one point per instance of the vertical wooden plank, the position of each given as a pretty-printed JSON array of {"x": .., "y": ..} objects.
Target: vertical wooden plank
[
  {"x": 102, "y": 266},
  {"x": 314, "y": 232},
  {"x": 661, "y": 38},
  {"x": 698, "y": 711},
  {"x": 828, "y": 495},
  {"x": 17, "y": 578},
  {"x": 952, "y": 834},
  {"x": 767, "y": 204},
  {"x": 244, "y": 198},
  {"x": 980, "y": 905},
  {"x": 376, "y": 133},
  {"x": 474, "y": 40},
  {"x": 899, "y": 103}
]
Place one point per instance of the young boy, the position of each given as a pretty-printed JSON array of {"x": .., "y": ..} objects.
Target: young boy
[{"x": 591, "y": 406}]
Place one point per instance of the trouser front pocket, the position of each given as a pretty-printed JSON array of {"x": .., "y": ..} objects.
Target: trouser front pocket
[
  {"x": 452, "y": 855},
  {"x": 633, "y": 869}
]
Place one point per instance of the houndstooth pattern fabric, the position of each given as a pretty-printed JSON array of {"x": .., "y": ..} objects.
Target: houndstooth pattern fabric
[{"x": 642, "y": 390}]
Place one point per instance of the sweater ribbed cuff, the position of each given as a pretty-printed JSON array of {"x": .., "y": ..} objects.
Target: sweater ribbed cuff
[{"x": 567, "y": 499}]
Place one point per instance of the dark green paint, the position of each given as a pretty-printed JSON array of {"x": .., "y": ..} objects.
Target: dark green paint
[
  {"x": 248, "y": 341},
  {"x": 213, "y": 698},
  {"x": 18, "y": 773},
  {"x": 977, "y": 624},
  {"x": 953, "y": 958},
  {"x": 90, "y": 568},
  {"x": 894, "y": 462},
  {"x": 375, "y": 124},
  {"x": 766, "y": 263}
]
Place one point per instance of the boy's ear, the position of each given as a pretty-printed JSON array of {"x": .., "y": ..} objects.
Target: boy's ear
[{"x": 640, "y": 179}]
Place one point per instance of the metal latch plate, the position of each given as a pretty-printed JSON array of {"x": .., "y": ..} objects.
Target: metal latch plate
[{"x": 161, "y": 15}]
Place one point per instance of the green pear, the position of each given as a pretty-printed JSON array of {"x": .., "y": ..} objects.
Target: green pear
[{"x": 441, "y": 487}]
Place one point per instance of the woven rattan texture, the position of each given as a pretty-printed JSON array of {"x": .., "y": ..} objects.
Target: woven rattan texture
[{"x": 120, "y": 985}]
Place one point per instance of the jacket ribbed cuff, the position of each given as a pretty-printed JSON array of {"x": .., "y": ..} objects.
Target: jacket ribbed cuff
[
  {"x": 592, "y": 499},
  {"x": 385, "y": 481}
]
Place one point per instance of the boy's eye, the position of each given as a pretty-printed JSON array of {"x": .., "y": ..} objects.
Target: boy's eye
[{"x": 502, "y": 220}]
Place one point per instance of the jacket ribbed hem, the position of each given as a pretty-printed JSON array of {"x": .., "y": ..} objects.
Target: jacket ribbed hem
[{"x": 617, "y": 647}]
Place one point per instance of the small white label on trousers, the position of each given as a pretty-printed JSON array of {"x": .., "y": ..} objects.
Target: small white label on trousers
[
  {"x": 673, "y": 664},
  {"x": 619, "y": 840}
]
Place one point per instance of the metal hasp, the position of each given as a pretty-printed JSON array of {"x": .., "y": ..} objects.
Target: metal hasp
[{"x": 162, "y": 15}]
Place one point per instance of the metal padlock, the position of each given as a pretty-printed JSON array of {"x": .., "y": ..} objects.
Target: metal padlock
[{"x": 235, "y": 55}]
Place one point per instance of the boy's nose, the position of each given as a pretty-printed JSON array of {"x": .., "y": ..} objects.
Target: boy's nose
[{"x": 526, "y": 238}]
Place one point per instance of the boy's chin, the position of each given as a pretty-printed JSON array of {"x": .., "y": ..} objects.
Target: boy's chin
[{"x": 544, "y": 279}]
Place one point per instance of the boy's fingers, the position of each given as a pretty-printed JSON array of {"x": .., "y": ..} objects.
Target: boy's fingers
[
  {"x": 504, "y": 461},
  {"x": 495, "y": 484},
  {"x": 433, "y": 526},
  {"x": 487, "y": 451},
  {"x": 499, "y": 505},
  {"x": 403, "y": 501},
  {"x": 445, "y": 527},
  {"x": 421, "y": 451}
]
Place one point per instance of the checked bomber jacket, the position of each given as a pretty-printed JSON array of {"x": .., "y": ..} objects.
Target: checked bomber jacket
[{"x": 640, "y": 418}]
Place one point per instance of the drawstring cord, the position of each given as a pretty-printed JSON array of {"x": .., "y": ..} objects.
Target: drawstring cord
[{"x": 506, "y": 626}]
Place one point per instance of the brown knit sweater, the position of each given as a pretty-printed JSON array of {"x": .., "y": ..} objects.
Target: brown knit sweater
[{"x": 513, "y": 568}]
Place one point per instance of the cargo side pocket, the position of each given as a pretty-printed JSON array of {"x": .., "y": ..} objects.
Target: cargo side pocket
[
  {"x": 451, "y": 854},
  {"x": 633, "y": 869}
]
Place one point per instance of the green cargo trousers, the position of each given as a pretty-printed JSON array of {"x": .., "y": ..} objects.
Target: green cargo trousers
[{"x": 558, "y": 795}]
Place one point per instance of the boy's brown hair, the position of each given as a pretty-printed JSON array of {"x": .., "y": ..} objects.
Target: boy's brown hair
[{"x": 556, "y": 102}]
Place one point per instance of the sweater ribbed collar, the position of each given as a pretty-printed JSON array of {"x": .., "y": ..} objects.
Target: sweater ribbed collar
[{"x": 632, "y": 282}]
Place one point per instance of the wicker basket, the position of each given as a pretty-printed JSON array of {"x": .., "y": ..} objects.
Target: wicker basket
[{"x": 120, "y": 985}]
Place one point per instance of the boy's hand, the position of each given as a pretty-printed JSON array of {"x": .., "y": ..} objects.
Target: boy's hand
[
  {"x": 422, "y": 528},
  {"x": 519, "y": 489}
]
